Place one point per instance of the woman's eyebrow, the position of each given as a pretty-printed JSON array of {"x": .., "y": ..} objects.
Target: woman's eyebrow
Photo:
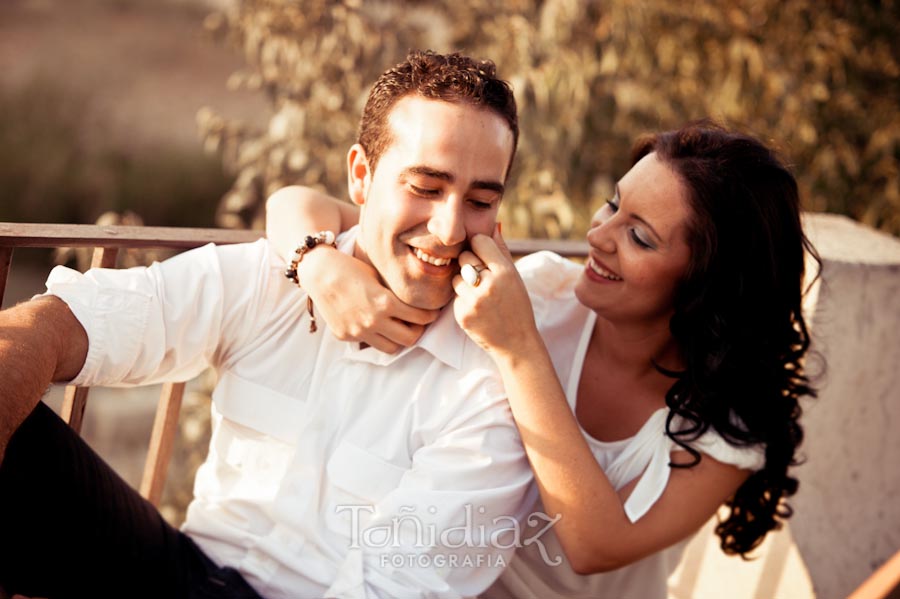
[{"x": 637, "y": 217}]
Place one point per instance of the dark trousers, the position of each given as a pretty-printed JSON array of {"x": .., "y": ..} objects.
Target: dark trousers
[{"x": 71, "y": 527}]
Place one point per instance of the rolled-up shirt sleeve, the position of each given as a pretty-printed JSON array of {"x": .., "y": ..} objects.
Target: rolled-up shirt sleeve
[{"x": 158, "y": 323}]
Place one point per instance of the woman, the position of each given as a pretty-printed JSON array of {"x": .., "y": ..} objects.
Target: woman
[{"x": 663, "y": 377}]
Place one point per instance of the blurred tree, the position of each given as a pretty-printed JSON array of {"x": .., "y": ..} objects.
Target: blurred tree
[{"x": 821, "y": 78}]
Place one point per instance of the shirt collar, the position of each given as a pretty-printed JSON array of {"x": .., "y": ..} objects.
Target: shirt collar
[{"x": 443, "y": 338}]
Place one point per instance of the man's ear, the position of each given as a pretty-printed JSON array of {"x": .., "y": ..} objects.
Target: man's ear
[{"x": 359, "y": 176}]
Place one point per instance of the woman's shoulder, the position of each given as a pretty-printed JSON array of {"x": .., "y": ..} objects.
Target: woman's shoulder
[
  {"x": 712, "y": 443},
  {"x": 550, "y": 280},
  {"x": 548, "y": 273},
  {"x": 648, "y": 455}
]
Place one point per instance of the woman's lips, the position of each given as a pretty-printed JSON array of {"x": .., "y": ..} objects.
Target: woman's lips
[{"x": 598, "y": 269}]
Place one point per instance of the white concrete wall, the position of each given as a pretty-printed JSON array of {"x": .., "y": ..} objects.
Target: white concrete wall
[{"x": 848, "y": 506}]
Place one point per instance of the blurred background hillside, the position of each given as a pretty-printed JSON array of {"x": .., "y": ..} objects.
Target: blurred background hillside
[
  {"x": 100, "y": 100},
  {"x": 97, "y": 111}
]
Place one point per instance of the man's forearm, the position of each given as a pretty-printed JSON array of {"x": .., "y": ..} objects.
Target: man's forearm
[{"x": 41, "y": 341}]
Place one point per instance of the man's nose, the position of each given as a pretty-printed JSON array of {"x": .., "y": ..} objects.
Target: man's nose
[{"x": 447, "y": 222}]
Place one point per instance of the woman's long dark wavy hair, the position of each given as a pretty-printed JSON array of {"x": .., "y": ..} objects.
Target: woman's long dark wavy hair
[{"x": 738, "y": 319}]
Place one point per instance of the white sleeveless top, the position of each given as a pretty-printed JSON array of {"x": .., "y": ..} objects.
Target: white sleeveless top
[{"x": 539, "y": 569}]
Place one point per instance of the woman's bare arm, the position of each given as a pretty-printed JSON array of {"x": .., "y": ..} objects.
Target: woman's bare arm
[
  {"x": 594, "y": 530},
  {"x": 294, "y": 212},
  {"x": 347, "y": 292}
]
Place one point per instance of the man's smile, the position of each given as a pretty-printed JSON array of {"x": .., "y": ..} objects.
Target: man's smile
[{"x": 430, "y": 259}]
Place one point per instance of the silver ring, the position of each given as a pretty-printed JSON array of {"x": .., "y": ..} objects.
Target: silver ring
[{"x": 471, "y": 274}]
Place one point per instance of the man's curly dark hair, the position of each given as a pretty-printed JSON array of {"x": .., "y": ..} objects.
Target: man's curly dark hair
[{"x": 450, "y": 78}]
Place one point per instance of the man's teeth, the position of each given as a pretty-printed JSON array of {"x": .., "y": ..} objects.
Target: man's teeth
[
  {"x": 432, "y": 259},
  {"x": 603, "y": 273}
]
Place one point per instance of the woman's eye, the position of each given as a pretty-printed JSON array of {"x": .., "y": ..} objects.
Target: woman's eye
[
  {"x": 638, "y": 240},
  {"x": 613, "y": 205},
  {"x": 481, "y": 205}
]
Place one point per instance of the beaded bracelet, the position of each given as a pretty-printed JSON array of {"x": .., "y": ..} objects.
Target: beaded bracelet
[{"x": 308, "y": 244}]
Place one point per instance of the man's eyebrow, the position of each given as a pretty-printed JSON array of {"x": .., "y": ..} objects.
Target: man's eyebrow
[
  {"x": 489, "y": 186},
  {"x": 427, "y": 171},
  {"x": 637, "y": 217}
]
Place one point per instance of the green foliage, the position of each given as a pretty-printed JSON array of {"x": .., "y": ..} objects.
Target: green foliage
[{"x": 822, "y": 79}]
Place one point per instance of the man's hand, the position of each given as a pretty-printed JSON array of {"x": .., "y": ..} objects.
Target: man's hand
[{"x": 41, "y": 341}]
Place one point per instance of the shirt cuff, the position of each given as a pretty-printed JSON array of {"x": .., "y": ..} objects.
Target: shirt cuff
[{"x": 113, "y": 344}]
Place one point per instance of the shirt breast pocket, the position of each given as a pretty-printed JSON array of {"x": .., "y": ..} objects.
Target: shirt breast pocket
[
  {"x": 260, "y": 408},
  {"x": 256, "y": 438},
  {"x": 358, "y": 480}
]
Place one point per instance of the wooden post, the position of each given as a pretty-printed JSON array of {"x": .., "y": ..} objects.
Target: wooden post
[
  {"x": 6, "y": 253},
  {"x": 104, "y": 257},
  {"x": 162, "y": 439},
  {"x": 74, "y": 403}
]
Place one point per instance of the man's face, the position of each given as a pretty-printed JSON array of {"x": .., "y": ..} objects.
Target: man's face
[{"x": 438, "y": 183}]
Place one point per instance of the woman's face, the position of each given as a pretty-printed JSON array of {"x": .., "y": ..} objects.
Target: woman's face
[{"x": 638, "y": 246}]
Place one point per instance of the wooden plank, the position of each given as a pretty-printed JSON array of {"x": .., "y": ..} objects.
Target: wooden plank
[
  {"x": 6, "y": 253},
  {"x": 55, "y": 235},
  {"x": 564, "y": 247},
  {"x": 41, "y": 235},
  {"x": 162, "y": 439},
  {"x": 882, "y": 582},
  {"x": 73, "y": 406}
]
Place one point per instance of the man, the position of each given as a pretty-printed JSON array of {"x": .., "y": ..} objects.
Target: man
[{"x": 334, "y": 470}]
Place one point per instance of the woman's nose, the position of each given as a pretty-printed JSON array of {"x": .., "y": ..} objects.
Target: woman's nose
[{"x": 601, "y": 237}]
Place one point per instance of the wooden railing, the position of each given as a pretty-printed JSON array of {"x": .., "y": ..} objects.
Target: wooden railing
[{"x": 107, "y": 241}]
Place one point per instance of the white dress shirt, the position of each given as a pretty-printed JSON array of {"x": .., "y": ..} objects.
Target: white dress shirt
[
  {"x": 332, "y": 471},
  {"x": 541, "y": 570}
]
